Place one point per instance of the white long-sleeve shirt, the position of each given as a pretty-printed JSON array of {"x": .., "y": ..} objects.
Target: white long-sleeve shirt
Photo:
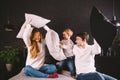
[
  {"x": 84, "y": 57},
  {"x": 37, "y": 62},
  {"x": 67, "y": 47}
]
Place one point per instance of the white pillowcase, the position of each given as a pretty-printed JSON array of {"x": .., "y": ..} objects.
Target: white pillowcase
[
  {"x": 27, "y": 21},
  {"x": 38, "y": 21},
  {"x": 52, "y": 42},
  {"x": 34, "y": 20}
]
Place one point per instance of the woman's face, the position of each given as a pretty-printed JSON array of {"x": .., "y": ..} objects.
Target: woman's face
[
  {"x": 37, "y": 36},
  {"x": 79, "y": 41}
]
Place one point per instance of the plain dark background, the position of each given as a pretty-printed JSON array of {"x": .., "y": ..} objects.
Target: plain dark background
[
  {"x": 74, "y": 14},
  {"x": 62, "y": 13}
]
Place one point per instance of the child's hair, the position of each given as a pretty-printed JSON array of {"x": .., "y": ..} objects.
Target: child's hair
[
  {"x": 34, "y": 47},
  {"x": 68, "y": 31},
  {"x": 83, "y": 35}
]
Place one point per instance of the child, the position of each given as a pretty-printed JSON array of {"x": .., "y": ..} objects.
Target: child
[
  {"x": 35, "y": 66},
  {"x": 67, "y": 45},
  {"x": 84, "y": 59}
]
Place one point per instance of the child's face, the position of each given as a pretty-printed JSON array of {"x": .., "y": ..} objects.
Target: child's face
[
  {"x": 65, "y": 35},
  {"x": 37, "y": 36},
  {"x": 79, "y": 41}
]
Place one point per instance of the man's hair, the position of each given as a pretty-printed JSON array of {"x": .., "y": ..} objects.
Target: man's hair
[{"x": 83, "y": 35}]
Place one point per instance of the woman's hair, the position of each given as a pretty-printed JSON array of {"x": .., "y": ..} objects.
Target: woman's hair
[
  {"x": 34, "y": 47},
  {"x": 83, "y": 35},
  {"x": 68, "y": 31}
]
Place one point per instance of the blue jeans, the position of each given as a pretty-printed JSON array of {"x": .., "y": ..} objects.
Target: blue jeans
[
  {"x": 42, "y": 73},
  {"x": 94, "y": 76},
  {"x": 70, "y": 63}
]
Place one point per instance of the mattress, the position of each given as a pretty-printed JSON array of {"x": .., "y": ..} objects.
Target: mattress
[{"x": 22, "y": 76}]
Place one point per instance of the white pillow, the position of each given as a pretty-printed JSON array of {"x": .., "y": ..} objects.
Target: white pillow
[
  {"x": 38, "y": 21},
  {"x": 27, "y": 21},
  {"x": 52, "y": 41},
  {"x": 34, "y": 20}
]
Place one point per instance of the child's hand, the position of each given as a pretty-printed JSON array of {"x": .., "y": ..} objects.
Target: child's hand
[
  {"x": 61, "y": 46},
  {"x": 57, "y": 63}
]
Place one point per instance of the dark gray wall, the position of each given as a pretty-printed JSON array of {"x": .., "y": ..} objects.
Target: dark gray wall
[{"x": 62, "y": 13}]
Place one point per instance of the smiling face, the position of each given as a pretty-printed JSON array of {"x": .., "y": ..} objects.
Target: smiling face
[
  {"x": 65, "y": 35},
  {"x": 79, "y": 41},
  {"x": 37, "y": 36}
]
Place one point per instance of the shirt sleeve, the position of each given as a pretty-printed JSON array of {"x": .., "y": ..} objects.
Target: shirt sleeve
[
  {"x": 96, "y": 49},
  {"x": 26, "y": 35},
  {"x": 74, "y": 49},
  {"x": 68, "y": 46}
]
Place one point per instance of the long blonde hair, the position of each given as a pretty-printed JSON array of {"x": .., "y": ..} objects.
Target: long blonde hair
[{"x": 34, "y": 47}]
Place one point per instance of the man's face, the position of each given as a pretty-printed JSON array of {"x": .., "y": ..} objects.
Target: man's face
[{"x": 79, "y": 40}]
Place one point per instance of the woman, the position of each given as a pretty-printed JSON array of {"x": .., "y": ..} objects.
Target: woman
[
  {"x": 36, "y": 55},
  {"x": 84, "y": 59}
]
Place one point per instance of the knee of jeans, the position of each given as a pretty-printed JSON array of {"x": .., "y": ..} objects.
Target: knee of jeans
[
  {"x": 27, "y": 69},
  {"x": 98, "y": 74},
  {"x": 53, "y": 68}
]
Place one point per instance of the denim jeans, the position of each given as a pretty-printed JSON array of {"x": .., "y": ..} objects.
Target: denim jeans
[
  {"x": 42, "y": 73},
  {"x": 70, "y": 63},
  {"x": 94, "y": 76}
]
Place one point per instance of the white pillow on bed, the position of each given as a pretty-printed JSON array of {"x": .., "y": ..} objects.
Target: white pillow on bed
[{"x": 34, "y": 20}]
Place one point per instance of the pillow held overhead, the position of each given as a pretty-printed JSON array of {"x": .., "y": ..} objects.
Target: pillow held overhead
[
  {"x": 27, "y": 21},
  {"x": 38, "y": 21},
  {"x": 34, "y": 20}
]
